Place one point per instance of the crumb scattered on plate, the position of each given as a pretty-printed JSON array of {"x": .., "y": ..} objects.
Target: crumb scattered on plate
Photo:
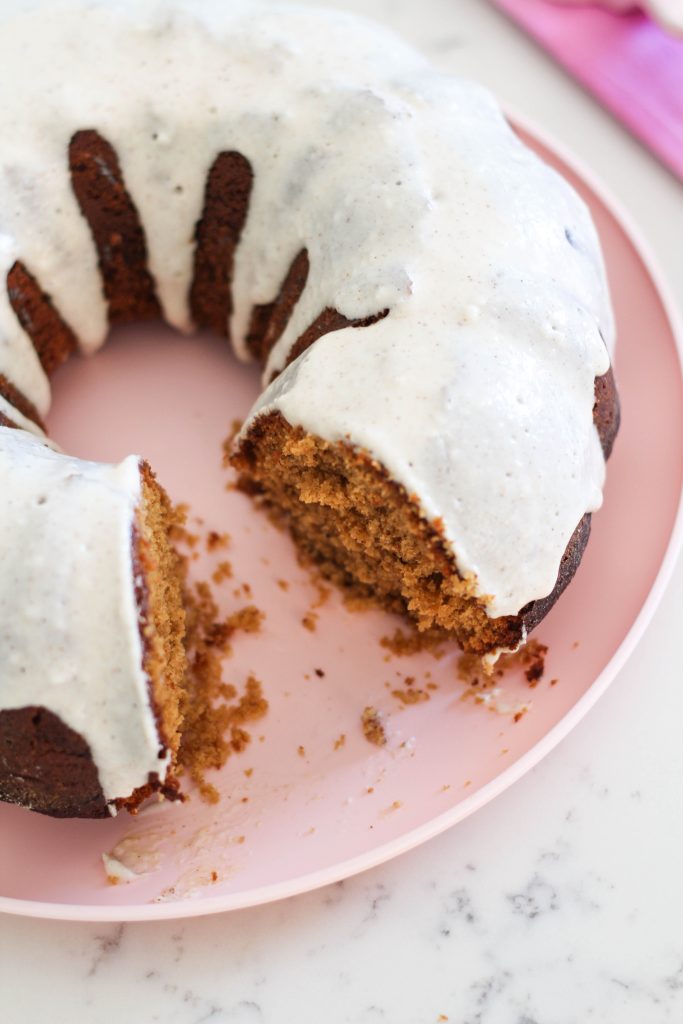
[
  {"x": 403, "y": 643},
  {"x": 310, "y": 621},
  {"x": 373, "y": 726}
]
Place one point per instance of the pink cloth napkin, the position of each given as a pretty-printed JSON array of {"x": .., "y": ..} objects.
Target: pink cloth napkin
[{"x": 631, "y": 64}]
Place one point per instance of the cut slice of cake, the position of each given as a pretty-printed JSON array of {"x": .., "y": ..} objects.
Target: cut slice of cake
[
  {"x": 91, "y": 633},
  {"x": 364, "y": 532}
]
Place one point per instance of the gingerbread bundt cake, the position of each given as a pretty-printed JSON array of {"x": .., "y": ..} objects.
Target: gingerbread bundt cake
[{"x": 427, "y": 300}]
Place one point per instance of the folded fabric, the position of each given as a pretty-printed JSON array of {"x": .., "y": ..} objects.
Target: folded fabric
[
  {"x": 627, "y": 61},
  {"x": 668, "y": 12}
]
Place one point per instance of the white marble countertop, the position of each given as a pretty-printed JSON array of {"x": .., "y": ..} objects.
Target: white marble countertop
[{"x": 558, "y": 903}]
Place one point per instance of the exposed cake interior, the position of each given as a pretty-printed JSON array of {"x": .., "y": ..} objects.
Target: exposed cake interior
[
  {"x": 363, "y": 531},
  {"x": 159, "y": 597}
]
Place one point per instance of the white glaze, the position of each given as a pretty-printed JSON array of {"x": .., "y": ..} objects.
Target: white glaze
[
  {"x": 69, "y": 630},
  {"x": 409, "y": 192}
]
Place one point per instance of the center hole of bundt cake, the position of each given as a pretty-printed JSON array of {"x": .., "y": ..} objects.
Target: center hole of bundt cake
[{"x": 154, "y": 392}]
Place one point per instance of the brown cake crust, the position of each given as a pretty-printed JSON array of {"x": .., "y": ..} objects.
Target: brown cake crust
[
  {"x": 535, "y": 611},
  {"x": 226, "y": 201},
  {"x": 47, "y": 767},
  {"x": 52, "y": 338},
  {"x": 116, "y": 228},
  {"x": 607, "y": 411},
  {"x": 269, "y": 320},
  {"x": 606, "y": 416}
]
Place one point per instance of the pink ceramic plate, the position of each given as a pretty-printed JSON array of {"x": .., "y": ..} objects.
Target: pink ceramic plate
[{"x": 301, "y": 808}]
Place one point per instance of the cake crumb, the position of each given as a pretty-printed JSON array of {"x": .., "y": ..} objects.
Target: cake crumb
[
  {"x": 178, "y": 532},
  {"x": 340, "y": 741},
  {"x": 301, "y": 750},
  {"x": 207, "y": 791},
  {"x": 323, "y": 593},
  {"x": 358, "y": 603},
  {"x": 469, "y": 668},
  {"x": 214, "y": 713},
  {"x": 373, "y": 726},
  {"x": 319, "y": 672},
  {"x": 532, "y": 658},
  {"x": 283, "y": 585},
  {"x": 481, "y": 684},
  {"x": 222, "y": 572},
  {"x": 410, "y": 696},
  {"x": 235, "y": 428},
  {"x": 248, "y": 619},
  {"x": 404, "y": 643},
  {"x": 216, "y": 540},
  {"x": 310, "y": 621},
  {"x": 248, "y": 772}
]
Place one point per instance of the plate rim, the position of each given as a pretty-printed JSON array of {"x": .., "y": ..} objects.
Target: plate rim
[{"x": 101, "y": 913}]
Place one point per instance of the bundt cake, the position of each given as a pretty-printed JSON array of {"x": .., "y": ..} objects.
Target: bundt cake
[{"x": 426, "y": 298}]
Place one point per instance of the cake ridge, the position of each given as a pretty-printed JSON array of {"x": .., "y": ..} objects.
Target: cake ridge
[
  {"x": 217, "y": 234},
  {"x": 118, "y": 234}
]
